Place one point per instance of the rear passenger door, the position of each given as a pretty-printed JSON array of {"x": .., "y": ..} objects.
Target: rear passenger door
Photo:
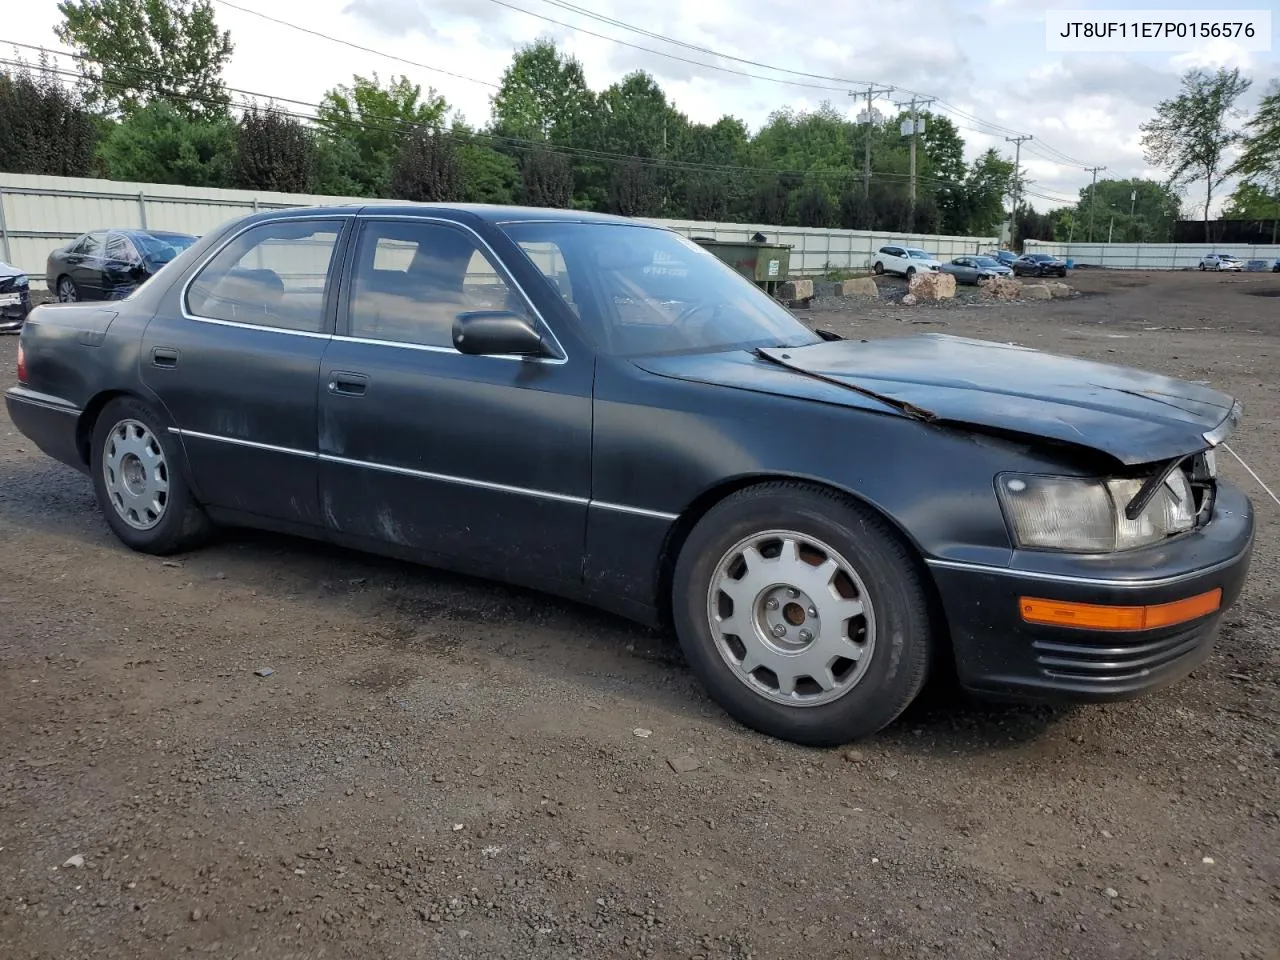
[
  {"x": 237, "y": 363},
  {"x": 480, "y": 458}
]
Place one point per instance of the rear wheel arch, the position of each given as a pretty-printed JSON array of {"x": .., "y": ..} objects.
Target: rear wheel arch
[
  {"x": 93, "y": 410},
  {"x": 709, "y": 498}
]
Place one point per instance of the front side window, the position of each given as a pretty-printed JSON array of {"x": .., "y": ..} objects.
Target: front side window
[
  {"x": 646, "y": 290},
  {"x": 274, "y": 274},
  {"x": 411, "y": 279},
  {"x": 91, "y": 245}
]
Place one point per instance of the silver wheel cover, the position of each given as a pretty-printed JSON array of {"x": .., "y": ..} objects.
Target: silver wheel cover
[
  {"x": 135, "y": 474},
  {"x": 791, "y": 618}
]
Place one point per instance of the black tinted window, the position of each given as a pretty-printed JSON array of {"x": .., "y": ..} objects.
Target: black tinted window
[
  {"x": 272, "y": 275},
  {"x": 119, "y": 248},
  {"x": 412, "y": 279}
]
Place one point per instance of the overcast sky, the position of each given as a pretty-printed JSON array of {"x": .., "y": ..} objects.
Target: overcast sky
[{"x": 985, "y": 58}]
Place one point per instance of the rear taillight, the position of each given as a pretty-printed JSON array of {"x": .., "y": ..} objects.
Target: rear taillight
[{"x": 22, "y": 364}]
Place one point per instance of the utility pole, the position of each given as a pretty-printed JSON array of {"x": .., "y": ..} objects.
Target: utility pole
[
  {"x": 1017, "y": 180},
  {"x": 1093, "y": 197},
  {"x": 915, "y": 128},
  {"x": 870, "y": 93}
]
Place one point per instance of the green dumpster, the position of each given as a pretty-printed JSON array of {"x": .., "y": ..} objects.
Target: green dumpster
[{"x": 767, "y": 264}]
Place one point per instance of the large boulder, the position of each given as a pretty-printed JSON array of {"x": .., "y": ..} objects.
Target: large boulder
[
  {"x": 933, "y": 286},
  {"x": 1059, "y": 289},
  {"x": 1002, "y": 288},
  {"x": 859, "y": 287},
  {"x": 1036, "y": 291},
  {"x": 796, "y": 290}
]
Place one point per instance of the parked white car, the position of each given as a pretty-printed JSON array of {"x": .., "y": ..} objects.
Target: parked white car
[
  {"x": 1221, "y": 261},
  {"x": 906, "y": 261}
]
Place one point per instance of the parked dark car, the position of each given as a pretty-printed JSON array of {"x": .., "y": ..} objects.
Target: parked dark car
[
  {"x": 601, "y": 409},
  {"x": 1004, "y": 257},
  {"x": 15, "y": 297},
  {"x": 1039, "y": 265},
  {"x": 110, "y": 264}
]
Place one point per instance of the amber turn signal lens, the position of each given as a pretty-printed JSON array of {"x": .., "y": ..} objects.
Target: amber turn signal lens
[{"x": 1093, "y": 616}]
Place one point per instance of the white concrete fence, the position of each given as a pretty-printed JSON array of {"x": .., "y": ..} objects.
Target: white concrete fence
[
  {"x": 39, "y": 214},
  {"x": 1151, "y": 256}
]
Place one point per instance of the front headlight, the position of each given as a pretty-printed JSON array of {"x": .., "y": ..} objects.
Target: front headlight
[{"x": 1079, "y": 515}]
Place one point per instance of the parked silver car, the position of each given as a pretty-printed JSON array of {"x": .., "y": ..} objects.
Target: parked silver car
[
  {"x": 1221, "y": 261},
  {"x": 971, "y": 269}
]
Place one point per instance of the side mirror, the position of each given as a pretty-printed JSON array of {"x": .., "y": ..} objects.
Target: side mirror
[{"x": 496, "y": 332}]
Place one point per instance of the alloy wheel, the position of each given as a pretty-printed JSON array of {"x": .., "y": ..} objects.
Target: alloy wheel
[
  {"x": 67, "y": 290},
  {"x": 136, "y": 474},
  {"x": 791, "y": 618}
]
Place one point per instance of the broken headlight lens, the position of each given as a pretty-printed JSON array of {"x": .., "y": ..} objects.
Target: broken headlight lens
[{"x": 1079, "y": 515}]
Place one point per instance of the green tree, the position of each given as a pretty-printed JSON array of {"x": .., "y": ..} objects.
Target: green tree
[
  {"x": 489, "y": 175},
  {"x": 547, "y": 178},
  {"x": 158, "y": 143},
  {"x": 1133, "y": 211},
  {"x": 373, "y": 120},
  {"x": 1252, "y": 202},
  {"x": 1260, "y": 159},
  {"x": 427, "y": 169},
  {"x": 635, "y": 191},
  {"x": 1191, "y": 133},
  {"x": 986, "y": 185},
  {"x": 706, "y": 197},
  {"x": 274, "y": 151},
  {"x": 814, "y": 207},
  {"x": 47, "y": 129},
  {"x": 543, "y": 95},
  {"x": 134, "y": 52}
]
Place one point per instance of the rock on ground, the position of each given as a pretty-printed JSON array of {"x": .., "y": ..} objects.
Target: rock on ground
[
  {"x": 933, "y": 286},
  {"x": 1036, "y": 291},
  {"x": 1002, "y": 288},
  {"x": 799, "y": 289},
  {"x": 859, "y": 287}
]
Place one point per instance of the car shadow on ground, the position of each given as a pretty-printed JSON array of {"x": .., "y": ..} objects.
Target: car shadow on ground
[{"x": 419, "y": 611}]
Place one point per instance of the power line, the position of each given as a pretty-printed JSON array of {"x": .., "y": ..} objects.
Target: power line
[
  {"x": 1017, "y": 174},
  {"x": 401, "y": 125},
  {"x": 355, "y": 46},
  {"x": 564, "y": 5}
]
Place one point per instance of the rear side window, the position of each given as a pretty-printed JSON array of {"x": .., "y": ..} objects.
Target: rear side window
[
  {"x": 272, "y": 275},
  {"x": 412, "y": 279}
]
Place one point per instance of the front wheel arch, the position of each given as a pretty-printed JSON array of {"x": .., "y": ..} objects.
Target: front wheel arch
[{"x": 702, "y": 504}]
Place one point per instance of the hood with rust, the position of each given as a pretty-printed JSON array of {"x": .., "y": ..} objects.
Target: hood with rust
[{"x": 1132, "y": 415}]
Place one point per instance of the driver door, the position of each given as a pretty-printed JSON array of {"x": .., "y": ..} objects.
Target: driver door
[{"x": 480, "y": 458}]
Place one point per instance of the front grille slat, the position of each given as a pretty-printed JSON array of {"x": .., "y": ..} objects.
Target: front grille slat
[{"x": 1116, "y": 661}]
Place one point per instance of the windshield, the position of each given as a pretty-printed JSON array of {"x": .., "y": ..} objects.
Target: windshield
[
  {"x": 645, "y": 290},
  {"x": 916, "y": 254}
]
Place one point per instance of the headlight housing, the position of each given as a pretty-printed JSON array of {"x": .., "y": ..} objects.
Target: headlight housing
[{"x": 1084, "y": 515}]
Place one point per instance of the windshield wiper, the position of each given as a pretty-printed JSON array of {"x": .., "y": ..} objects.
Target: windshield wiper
[{"x": 910, "y": 409}]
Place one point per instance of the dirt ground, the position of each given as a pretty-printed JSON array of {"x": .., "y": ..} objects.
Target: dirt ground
[{"x": 443, "y": 767}]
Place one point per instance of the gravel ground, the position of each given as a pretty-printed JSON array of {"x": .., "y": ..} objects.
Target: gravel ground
[{"x": 442, "y": 767}]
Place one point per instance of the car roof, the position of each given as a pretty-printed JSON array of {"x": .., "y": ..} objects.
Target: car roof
[{"x": 491, "y": 213}]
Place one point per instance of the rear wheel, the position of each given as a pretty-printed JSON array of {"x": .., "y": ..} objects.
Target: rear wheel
[
  {"x": 911, "y": 272},
  {"x": 802, "y": 614},
  {"x": 139, "y": 485}
]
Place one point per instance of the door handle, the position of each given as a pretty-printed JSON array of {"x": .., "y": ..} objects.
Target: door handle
[
  {"x": 348, "y": 384},
  {"x": 164, "y": 357}
]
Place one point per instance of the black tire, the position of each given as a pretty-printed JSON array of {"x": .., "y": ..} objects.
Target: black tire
[
  {"x": 182, "y": 523},
  {"x": 1202, "y": 265},
  {"x": 878, "y": 269},
  {"x": 68, "y": 283},
  {"x": 903, "y": 634},
  {"x": 911, "y": 272}
]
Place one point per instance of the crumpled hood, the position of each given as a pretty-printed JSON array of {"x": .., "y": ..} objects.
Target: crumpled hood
[
  {"x": 8, "y": 270},
  {"x": 1135, "y": 416}
]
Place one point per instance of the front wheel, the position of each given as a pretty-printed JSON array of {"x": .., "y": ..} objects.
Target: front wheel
[
  {"x": 802, "y": 614},
  {"x": 878, "y": 269},
  {"x": 67, "y": 290},
  {"x": 139, "y": 486}
]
